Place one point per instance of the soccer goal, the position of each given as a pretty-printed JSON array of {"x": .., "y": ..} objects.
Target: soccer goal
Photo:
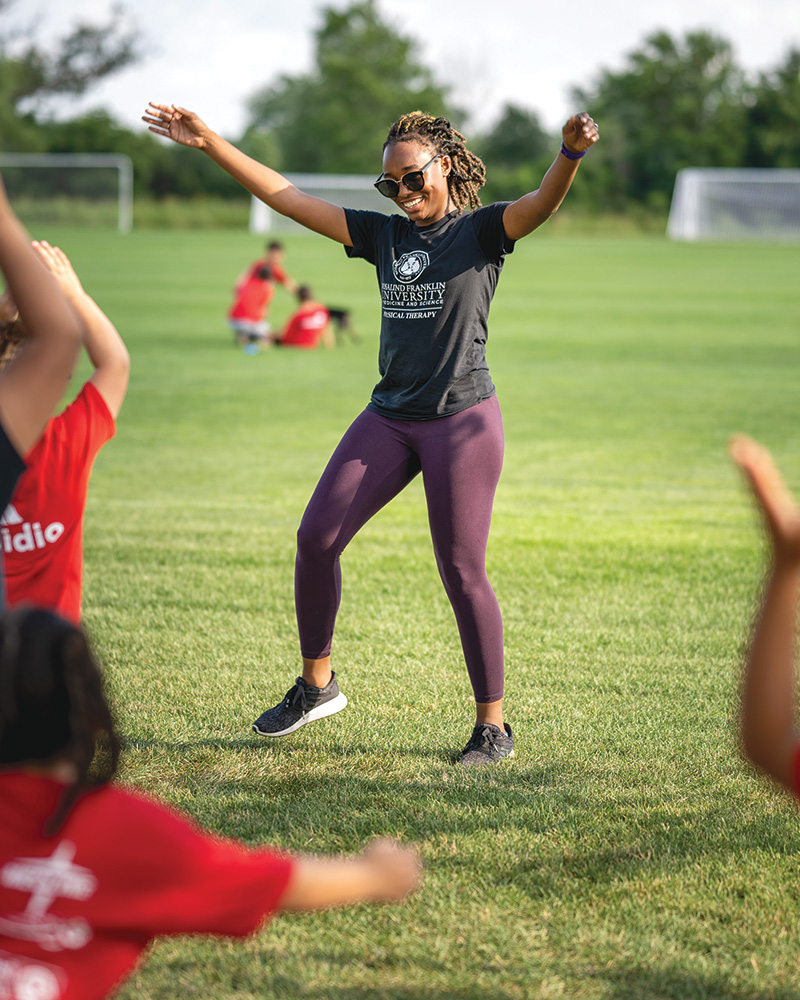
[
  {"x": 93, "y": 189},
  {"x": 727, "y": 204},
  {"x": 347, "y": 190}
]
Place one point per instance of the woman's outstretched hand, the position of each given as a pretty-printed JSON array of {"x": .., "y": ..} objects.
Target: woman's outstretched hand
[
  {"x": 781, "y": 514},
  {"x": 178, "y": 124},
  {"x": 579, "y": 133}
]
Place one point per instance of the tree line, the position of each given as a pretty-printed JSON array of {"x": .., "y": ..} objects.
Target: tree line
[{"x": 676, "y": 102}]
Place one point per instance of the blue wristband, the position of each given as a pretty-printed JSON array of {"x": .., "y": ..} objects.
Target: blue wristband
[{"x": 570, "y": 155}]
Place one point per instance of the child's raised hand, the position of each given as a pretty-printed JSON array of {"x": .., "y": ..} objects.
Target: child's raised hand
[
  {"x": 58, "y": 264},
  {"x": 781, "y": 514}
]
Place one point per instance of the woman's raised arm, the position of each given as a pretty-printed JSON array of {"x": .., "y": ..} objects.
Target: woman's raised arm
[
  {"x": 531, "y": 210},
  {"x": 187, "y": 129}
]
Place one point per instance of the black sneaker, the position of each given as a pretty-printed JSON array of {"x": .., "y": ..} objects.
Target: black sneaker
[
  {"x": 303, "y": 703},
  {"x": 487, "y": 745}
]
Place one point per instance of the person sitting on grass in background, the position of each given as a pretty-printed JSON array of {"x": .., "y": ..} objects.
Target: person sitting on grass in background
[
  {"x": 42, "y": 526},
  {"x": 309, "y": 325},
  {"x": 274, "y": 261},
  {"x": 90, "y": 872},
  {"x": 247, "y": 315},
  {"x": 769, "y": 734},
  {"x": 32, "y": 384}
]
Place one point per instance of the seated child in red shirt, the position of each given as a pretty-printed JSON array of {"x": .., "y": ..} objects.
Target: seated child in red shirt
[
  {"x": 309, "y": 325},
  {"x": 247, "y": 315},
  {"x": 273, "y": 259}
]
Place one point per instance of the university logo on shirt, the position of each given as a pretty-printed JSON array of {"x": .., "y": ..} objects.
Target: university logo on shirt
[{"x": 411, "y": 265}]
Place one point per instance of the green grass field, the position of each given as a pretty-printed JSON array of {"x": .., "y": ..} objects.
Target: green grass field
[{"x": 626, "y": 851}]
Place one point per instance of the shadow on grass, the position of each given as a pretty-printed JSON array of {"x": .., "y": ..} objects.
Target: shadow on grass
[
  {"x": 630, "y": 986},
  {"x": 674, "y": 983},
  {"x": 549, "y": 828},
  {"x": 283, "y": 745},
  {"x": 390, "y": 993}
]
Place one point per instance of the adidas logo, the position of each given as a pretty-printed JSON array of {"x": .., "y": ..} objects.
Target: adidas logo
[{"x": 30, "y": 536}]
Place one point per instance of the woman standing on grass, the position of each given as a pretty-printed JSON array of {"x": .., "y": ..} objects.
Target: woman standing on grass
[{"x": 434, "y": 409}]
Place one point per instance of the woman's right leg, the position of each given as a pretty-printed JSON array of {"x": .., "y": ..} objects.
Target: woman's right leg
[{"x": 371, "y": 465}]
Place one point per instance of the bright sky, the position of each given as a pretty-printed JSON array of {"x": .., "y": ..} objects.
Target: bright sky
[{"x": 210, "y": 55}]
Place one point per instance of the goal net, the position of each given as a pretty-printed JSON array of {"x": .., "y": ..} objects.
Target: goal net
[
  {"x": 76, "y": 189},
  {"x": 715, "y": 204},
  {"x": 347, "y": 190}
]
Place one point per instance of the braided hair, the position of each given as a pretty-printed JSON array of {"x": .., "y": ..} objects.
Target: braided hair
[
  {"x": 467, "y": 173},
  {"x": 52, "y": 703}
]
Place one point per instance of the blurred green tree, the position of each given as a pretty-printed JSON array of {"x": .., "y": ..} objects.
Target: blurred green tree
[
  {"x": 32, "y": 75},
  {"x": 335, "y": 118},
  {"x": 516, "y": 139},
  {"x": 677, "y": 103},
  {"x": 774, "y": 116},
  {"x": 160, "y": 168},
  {"x": 517, "y": 151}
]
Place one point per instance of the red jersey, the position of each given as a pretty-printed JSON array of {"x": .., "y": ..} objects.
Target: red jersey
[
  {"x": 305, "y": 327},
  {"x": 77, "y": 909},
  {"x": 278, "y": 273},
  {"x": 42, "y": 527},
  {"x": 252, "y": 298}
]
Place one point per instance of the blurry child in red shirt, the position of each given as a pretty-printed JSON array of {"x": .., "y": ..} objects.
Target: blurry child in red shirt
[
  {"x": 247, "y": 315},
  {"x": 41, "y": 529},
  {"x": 90, "y": 872},
  {"x": 274, "y": 261}
]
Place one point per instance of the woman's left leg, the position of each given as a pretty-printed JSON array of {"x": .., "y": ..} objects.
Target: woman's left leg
[{"x": 461, "y": 458}]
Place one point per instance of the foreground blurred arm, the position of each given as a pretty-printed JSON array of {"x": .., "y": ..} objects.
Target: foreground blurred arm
[
  {"x": 769, "y": 736},
  {"x": 384, "y": 872},
  {"x": 187, "y": 129},
  {"x": 532, "y": 210},
  {"x": 105, "y": 347},
  {"x": 32, "y": 384}
]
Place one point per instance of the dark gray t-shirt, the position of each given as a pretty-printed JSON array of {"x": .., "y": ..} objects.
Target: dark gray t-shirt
[{"x": 436, "y": 284}]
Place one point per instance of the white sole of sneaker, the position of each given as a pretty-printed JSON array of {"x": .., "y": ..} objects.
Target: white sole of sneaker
[{"x": 321, "y": 712}]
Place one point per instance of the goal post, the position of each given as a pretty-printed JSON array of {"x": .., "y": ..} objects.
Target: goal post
[
  {"x": 711, "y": 203},
  {"x": 22, "y": 184},
  {"x": 347, "y": 190}
]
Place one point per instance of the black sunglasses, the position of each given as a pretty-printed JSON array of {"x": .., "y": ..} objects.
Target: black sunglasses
[{"x": 414, "y": 180}]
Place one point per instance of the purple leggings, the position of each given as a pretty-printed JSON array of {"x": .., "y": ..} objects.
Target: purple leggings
[{"x": 460, "y": 458}]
